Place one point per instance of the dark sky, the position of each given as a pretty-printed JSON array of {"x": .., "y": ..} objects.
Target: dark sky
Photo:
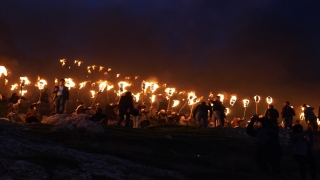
[{"x": 265, "y": 47}]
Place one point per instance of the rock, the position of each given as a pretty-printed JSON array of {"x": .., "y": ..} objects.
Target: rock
[
  {"x": 281, "y": 135},
  {"x": 24, "y": 156},
  {"x": 62, "y": 128},
  {"x": 168, "y": 137},
  {"x": 287, "y": 136},
  {"x": 22, "y": 118},
  {"x": 90, "y": 126}
]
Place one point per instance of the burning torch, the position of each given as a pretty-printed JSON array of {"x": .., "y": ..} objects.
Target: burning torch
[
  {"x": 256, "y": 100},
  {"x": 245, "y": 105}
]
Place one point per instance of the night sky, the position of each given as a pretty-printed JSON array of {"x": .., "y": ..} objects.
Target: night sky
[{"x": 266, "y": 47}]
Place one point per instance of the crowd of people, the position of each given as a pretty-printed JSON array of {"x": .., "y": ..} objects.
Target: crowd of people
[{"x": 264, "y": 127}]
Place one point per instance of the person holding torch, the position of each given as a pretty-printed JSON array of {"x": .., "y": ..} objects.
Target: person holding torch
[{"x": 61, "y": 96}]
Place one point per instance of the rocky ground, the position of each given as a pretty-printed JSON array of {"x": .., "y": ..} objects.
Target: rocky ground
[
  {"x": 72, "y": 147},
  {"x": 23, "y": 156}
]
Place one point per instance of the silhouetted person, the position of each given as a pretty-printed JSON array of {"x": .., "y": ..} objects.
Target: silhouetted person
[
  {"x": 125, "y": 106},
  {"x": 31, "y": 116},
  {"x": 81, "y": 109},
  {"x": 218, "y": 110},
  {"x": 310, "y": 117},
  {"x": 99, "y": 117},
  {"x": 44, "y": 102},
  {"x": 273, "y": 115},
  {"x": 14, "y": 98},
  {"x": 201, "y": 112},
  {"x": 302, "y": 150},
  {"x": 61, "y": 96},
  {"x": 268, "y": 146},
  {"x": 111, "y": 114},
  {"x": 287, "y": 114}
]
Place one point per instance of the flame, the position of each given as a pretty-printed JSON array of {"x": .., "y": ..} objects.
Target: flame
[
  {"x": 170, "y": 91},
  {"x": 3, "y": 71},
  {"x": 136, "y": 77},
  {"x": 233, "y": 100},
  {"x": 101, "y": 68},
  {"x": 153, "y": 98},
  {"x": 122, "y": 86},
  {"x": 269, "y": 100},
  {"x": 227, "y": 111},
  {"x": 82, "y": 84},
  {"x": 192, "y": 98},
  {"x": 93, "y": 67},
  {"x": 245, "y": 102},
  {"x": 164, "y": 85},
  {"x": 93, "y": 84},
  {"x": 136, "y": 96},
  {"x": 5, "y": 81},
  {"x": 92, "y": 93},
  {"x": 318, "y": 121},
  {"x": 42, "y": 83},
  {"x": 256, "y": 98},
  {"x": 23, "y": 92},
  {"x": 102, "y": 86},
  {"x": 182, "y": 92},
  {"x": 109, "y": 69},
  {"x": 55, "y": 81},
  {"x": 118, "y": 75},
  {"x": 210, "y": 95},
  {"x": 175, "y": 103},
  {"x": 25, "y": 80},
  {"x": 127, "y": 78},
  {"x": 154, "y": 87},
  {"x": 109, "y": 87},
  {"x": 69, "y": 83},
  {"x": 221, "y": 97},
  {"x": 88, "y": 69},
  {"x": 63, "y": 61},
  {"x": 14, "y": 86},
  {"x": 105, "y": 73},
  {"x": 78, "y": 62}
]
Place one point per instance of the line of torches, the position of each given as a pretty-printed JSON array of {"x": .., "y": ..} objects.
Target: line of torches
[{"x": 192, "y": 99}]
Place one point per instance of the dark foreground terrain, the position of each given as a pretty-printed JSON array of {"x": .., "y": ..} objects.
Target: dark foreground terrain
[{"x": 159, "y": 152}]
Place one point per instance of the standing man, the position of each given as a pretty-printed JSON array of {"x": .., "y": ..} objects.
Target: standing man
[
  {"x": 273, "y": 115},
  {"x": 201, "y": 112},
  {"x": 218, "y": 110},
  {"x": 125, "y": 106},
  {"x": 310, "y": 117},
  {"x": 287, "y": 115},
  {"x": 61, "y": 96}
]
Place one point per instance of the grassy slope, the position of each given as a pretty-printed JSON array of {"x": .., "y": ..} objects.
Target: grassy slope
[{"x": 196, "y": 153}]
